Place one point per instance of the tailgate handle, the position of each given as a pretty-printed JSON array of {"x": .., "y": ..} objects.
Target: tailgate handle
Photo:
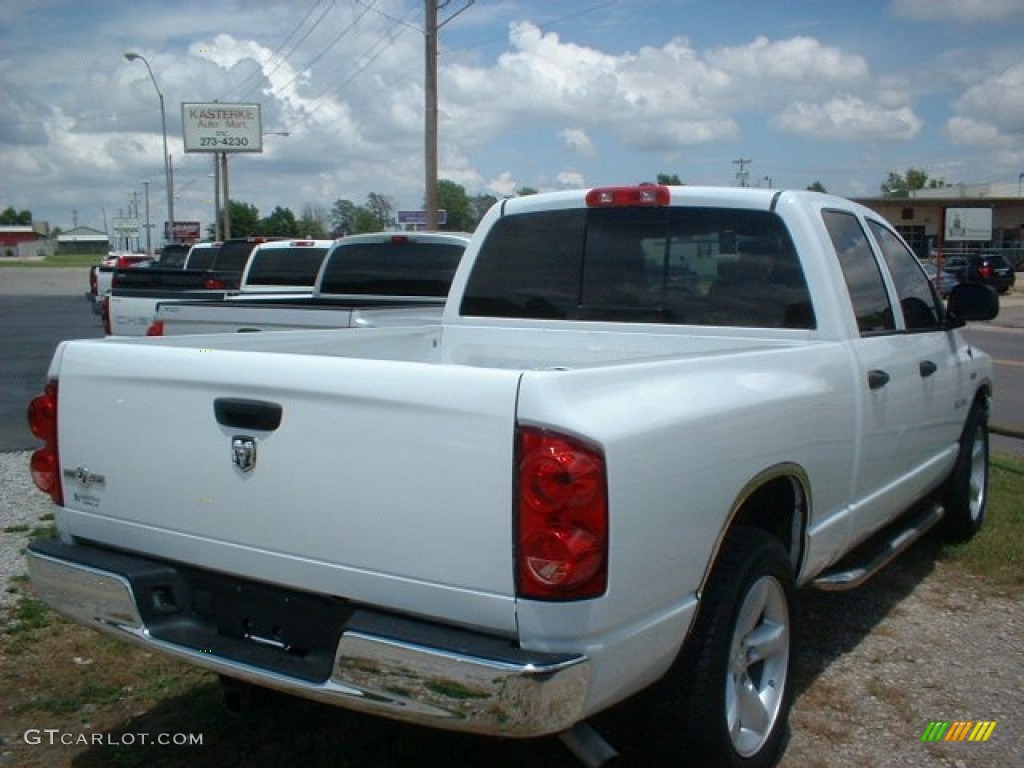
[{"x": 247, "y": 414}]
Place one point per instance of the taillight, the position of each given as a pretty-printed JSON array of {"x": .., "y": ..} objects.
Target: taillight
[
  {"x": 645, "y": 194},
  {"x": 214, "y": 284},
  {"x": 45, "y": 462},
  {"x": 985, "y": 272},
  {"x": 562, "y": 517},
  {"x": 156, "y": 328}
]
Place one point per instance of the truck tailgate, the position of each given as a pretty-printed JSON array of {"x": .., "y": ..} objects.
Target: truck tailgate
[{"x": 387, "y": 482}]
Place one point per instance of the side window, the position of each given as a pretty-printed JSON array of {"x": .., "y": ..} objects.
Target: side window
[
  {"x": 861, "y": 273},
  {"x": 921, "y": 309}
]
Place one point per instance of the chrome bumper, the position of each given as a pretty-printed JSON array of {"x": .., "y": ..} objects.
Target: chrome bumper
[{"x": 507, "y": 693}]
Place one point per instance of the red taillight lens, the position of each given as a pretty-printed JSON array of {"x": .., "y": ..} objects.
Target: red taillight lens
[
  {"x": 214, "y": 284},
  {"x": 156, "y": 328},
  {"x": 985, "y": 272},
  {"x": 645, "y": 194},
  {"x": 45, "y": 462},
  {"x": 562, "y": 517}
]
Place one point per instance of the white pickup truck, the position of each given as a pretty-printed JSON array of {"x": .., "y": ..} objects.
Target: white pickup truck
[
  {"x": 366, "y": 280},
  {"x": 646, "y": 417}
]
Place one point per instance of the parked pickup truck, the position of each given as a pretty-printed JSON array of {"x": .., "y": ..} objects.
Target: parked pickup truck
[
  {"x": 647, "y": 415},
  {"x": 251, "y": 265},
  {"x": 383, "y": 278}
]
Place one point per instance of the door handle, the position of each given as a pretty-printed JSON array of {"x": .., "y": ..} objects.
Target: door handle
[
  {"x": 239, "y": 413},
  {"x": 927, "y": 368},
  {"x": 877, "y": 379}
]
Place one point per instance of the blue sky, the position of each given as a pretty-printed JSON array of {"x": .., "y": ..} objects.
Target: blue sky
[{"x": 547, "y": 95}]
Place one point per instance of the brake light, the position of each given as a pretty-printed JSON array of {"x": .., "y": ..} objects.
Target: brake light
[
  {"x": 562, "y": 517},
  {"x": 399, "y": 239},
  {"x": 214, "y": 284},
  {"x": 156, "y": 328},
  {"x": 45, "y": 462},
  {"x": 302, "y": 243},
  {"x": 985, "y": 271},
  {"x": 611, "y": 197}
]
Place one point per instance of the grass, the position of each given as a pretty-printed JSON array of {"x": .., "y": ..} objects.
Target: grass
[
  {"x": 997, "y": 552},
  {"x": 56, "y": 261}
]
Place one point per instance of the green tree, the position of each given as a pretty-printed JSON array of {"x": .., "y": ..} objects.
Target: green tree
[
  {"x": 365, "y": 220},
  {"x": 343, "y": 217},
  {"x": 313, "y": 222},
  {"x": 10, "y": 217},
  {"x": 524, "y": 191},
  {"x": 481, "y": 204},
  {"x": 245, "y": 219},
  {"x": 382, "y": 208},
  {"x": 817, "y": 187},
  {"x": 452, "y": 198},
  {"x": 904, "y": 186},
  {"x": 672, "y": 180},
  {"x": 280, "y": 223}
]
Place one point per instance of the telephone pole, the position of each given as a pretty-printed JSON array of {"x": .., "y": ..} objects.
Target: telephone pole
[
  {"x": 742, "y": 173},
  {"x": 430, "y": 110}
]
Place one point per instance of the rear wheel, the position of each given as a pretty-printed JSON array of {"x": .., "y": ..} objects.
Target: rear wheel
[
  {"x": 965, "y": 495},
  {"x": 726, "y": 701}
]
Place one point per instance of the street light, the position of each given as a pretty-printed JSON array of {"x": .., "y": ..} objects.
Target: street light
[{"x": 131, "y": 56}]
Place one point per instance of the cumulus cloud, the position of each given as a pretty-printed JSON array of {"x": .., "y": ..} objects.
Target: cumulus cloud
[
  {"x": 849, "y": 118},
  {"x": 577, "y": 140}
]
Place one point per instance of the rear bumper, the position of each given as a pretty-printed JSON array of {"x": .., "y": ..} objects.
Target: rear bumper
[{"x": 364, "y": 659}]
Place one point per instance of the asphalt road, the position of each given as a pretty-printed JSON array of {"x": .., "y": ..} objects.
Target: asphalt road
[{"x": 41, "y": 307}]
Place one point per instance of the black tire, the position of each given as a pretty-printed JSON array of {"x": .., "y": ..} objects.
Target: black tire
[
  {"x": 722, "y": 704},
  {"x": 965, "y": 494}
]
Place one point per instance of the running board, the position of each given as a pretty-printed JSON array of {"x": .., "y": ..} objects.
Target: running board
[{"x": 868, "y": 559}]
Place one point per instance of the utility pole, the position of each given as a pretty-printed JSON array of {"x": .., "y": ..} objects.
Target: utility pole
[
  {"x": 430, "y": 127},
  {"x": 431, "y": 28},
  {"x": 742, "y": 174}
]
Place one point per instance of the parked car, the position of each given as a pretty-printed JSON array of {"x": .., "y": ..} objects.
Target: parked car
[
  {"x": 944, "y": 281},
  {"x": 989, "y": 268}
]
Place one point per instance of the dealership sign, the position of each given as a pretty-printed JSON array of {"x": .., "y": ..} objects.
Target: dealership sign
[{"x": 221, "y": 127}]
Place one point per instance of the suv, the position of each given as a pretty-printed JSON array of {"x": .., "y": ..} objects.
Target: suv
[{"x": 988, "y": 268}]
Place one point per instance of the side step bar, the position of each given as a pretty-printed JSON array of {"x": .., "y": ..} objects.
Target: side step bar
[{"x": 868, "y": 559}]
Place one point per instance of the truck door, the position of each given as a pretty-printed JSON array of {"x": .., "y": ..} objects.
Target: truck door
[{"x": 889, "y": 384}]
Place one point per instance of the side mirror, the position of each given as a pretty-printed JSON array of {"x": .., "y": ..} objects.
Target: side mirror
[{"x": 970, "y": 302}]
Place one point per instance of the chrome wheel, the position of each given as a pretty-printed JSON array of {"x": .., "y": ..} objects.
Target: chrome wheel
[
  {"x": 758, "y": 665},
  {"x": 978, "y": 482}
]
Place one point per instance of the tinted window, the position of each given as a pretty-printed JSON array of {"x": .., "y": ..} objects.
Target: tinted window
[
  {"x": 402, "y": 268},
  {"x": 286, "y": 266},
  {"x": 696, "y": 266},
  {"x": 921, "y": 309},
  {"x": 861, "y": 272},
  {"x": 202, "y": 257}
]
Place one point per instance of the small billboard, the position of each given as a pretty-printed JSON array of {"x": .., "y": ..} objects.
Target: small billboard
[
  {"x": 220, "y": 127},
  {"x": 965, "y": 224}
]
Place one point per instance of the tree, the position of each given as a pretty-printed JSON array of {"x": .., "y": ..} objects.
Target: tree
[
  {"x": 451, "y": 198},
  {"x": 904, "y": 186},
  {"x": 382, "y": 208},
  {"x": 524, "y": 191},
  {"x": 245, "y": 219},
  {"x": 672, "y": 180},
  {"x": 313, "y": 222},
  {"x": 10, "y": 217},
  {"x": 481, "y": 204},
  {"x": 817, "y": 187},
  {"x": 280, "y": 223},
  {"x": 343, "y": 217}
]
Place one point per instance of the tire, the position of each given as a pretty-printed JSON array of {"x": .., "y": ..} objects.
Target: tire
[
  {"x": 965, "y": 495},
  {"x": 726, "y": 700}
]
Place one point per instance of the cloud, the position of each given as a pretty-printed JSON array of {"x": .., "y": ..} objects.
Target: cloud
[
  {"x": 970, "y": 11},
  {"x": 849, "y": 118},
  {"x": 577, "y": 140}
]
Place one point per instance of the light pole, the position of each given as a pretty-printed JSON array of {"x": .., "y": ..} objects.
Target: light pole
[{"x": 131, "y": 56}]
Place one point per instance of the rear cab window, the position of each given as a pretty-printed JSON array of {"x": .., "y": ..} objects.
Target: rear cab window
[
  {"x": 396, "y": 267},
  {"x": 292, "y": 265},
  {"x": 673, "y": 265}
]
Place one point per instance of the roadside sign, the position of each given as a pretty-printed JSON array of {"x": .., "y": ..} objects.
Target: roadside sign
[
  {"x": 419, "y": 218},
  {"x": 220, "y": 127}
]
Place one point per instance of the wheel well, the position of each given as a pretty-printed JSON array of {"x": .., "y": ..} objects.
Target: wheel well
[{"x": 778, "y": 506}]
